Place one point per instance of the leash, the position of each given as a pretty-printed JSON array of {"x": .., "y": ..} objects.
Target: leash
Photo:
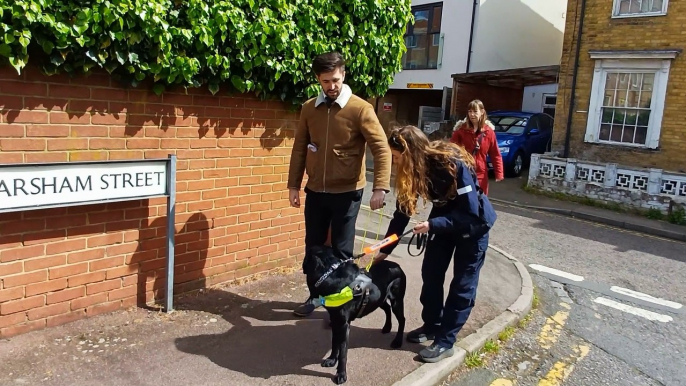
[
  {"x": 365, "y": 251},
  {"x": 330, "y": 271},
  {"x": 421, "y": 243}
]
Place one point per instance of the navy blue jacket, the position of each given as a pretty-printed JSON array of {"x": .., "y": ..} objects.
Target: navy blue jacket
[{"x": 464, "y": 216}]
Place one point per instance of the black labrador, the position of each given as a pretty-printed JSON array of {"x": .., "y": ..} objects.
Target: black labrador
[{"x": 383, "y": 286}]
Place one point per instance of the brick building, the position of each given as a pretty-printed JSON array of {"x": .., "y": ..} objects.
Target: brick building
[
  {"x": 232, "y": 212},
  {"x": 628, "y": 102}
]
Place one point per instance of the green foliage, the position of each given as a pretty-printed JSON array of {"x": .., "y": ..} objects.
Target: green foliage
[
  {"x": 260, "y": 46},
  {"x": 491, "y": 346},
  {"x": 677, "y": 216},
  {"x": 654, "y": 214},
  {"x": 506, "y": 334},
  {"x": 474, "y": 360}
]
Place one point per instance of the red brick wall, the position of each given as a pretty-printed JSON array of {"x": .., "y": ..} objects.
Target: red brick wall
[
  {"x": 233, "y": 217},
  {"x": 494, "y": 98}
]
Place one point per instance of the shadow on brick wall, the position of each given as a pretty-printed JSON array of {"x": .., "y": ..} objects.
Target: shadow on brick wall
[
  {"x": 98, "y": 100},
  {"x": 191, "y": 258}
]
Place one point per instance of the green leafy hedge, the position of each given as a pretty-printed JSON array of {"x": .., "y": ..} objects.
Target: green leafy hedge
[{"x": 261, "y": 46}]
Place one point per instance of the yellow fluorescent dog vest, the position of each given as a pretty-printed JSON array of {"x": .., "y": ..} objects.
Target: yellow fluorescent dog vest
[{"x": 337, "y": 299}]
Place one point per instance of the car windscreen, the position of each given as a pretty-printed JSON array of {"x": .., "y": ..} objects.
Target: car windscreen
[{"x": 509, "y": 124}]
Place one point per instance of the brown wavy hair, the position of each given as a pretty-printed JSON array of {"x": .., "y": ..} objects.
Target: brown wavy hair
[
  {"x": 477, "y": 105},
  {"x": 412, "y": 179}
]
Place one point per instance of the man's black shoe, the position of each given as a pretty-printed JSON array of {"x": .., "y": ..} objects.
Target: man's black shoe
[{"x": 307, "y": 308}]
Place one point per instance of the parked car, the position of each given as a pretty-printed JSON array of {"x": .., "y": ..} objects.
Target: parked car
[{"x": 519, "y": 135}]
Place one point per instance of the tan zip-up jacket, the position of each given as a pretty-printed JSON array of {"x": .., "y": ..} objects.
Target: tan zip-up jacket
[{"x": 330, "y": 145}]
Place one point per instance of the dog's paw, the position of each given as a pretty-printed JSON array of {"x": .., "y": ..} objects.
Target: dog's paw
[
  {"x": 340, "y": 378},
  {"x": 386, "y": 329},
  {"x": 329, "y": 362},
  {"x": 397, "y": 343}
]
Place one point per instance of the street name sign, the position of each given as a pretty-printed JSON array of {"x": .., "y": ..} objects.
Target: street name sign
[{"x": 34, "y": 186}]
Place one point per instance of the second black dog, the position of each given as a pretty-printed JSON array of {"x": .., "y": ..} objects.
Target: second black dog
[{"x": 382, "y": 287}]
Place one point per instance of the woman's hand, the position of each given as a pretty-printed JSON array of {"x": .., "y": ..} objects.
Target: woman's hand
[
  {"x": 380, "y": 256},
  {"x": 422, "y": 227}
]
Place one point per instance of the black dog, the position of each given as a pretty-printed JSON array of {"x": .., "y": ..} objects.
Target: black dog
[{"x": 383, "y": 286}]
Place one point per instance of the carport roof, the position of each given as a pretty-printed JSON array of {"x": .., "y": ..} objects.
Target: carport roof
[{"x": 514, "y": 78}]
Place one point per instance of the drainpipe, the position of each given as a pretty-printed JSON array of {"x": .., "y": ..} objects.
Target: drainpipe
[
  {"x": 471, "y": 35},
  {"x": 572, "y": 99}
]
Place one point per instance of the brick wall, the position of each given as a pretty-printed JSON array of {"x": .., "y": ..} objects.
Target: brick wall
[
  {"x": 601, "y": 32},
  {"x": 233, "y": 217},
  {"x": 494, "y": 98}
]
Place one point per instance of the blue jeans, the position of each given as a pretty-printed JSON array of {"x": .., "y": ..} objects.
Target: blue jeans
[{"x": 468, "y": 256}]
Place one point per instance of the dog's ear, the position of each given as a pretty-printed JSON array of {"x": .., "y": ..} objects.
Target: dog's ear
[
  {"x": 315, "y": 250},
  {"x": 310, "y": 261}
]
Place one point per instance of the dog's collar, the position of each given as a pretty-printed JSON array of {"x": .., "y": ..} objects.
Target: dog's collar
[{"x": 330, "y": 271}]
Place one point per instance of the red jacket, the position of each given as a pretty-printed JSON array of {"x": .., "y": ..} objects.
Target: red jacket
[{"x": 467, "y": 138}]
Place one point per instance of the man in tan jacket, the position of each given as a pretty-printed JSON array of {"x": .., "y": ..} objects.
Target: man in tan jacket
[{"x": 330, "y": 145}]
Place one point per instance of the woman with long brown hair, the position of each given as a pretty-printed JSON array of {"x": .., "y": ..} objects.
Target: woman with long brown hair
[
  {"x": 477, "y": 135},
  {"x": 458, "y": 229}
]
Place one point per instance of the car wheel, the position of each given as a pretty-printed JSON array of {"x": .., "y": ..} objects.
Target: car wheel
[{"x": 517, "y": 165}]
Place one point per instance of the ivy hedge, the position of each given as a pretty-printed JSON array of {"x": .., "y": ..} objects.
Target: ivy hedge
[{"x": 260, "y": 46}]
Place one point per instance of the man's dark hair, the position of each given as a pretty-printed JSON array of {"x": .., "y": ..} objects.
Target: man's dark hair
[{"x": 328, "y": 62}]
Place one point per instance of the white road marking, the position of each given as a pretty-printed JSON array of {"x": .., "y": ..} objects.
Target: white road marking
[
  {"x": 556, "y": 272},
  {"x": 645, "y": 297},
  {"x": 634, "y": 310}
]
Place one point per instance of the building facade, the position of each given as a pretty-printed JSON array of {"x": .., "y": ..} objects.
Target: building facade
[
  {"x": 474, "y": 37},
  {"x": 627, "y": 104}
]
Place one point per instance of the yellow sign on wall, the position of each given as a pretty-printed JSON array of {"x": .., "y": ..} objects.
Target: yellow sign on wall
[{"x": 420, "y": 85}]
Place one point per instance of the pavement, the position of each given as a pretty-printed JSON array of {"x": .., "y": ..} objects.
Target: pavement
[
  {"x": 246, "y": 334},
  {"x": 510, "y": 192}
]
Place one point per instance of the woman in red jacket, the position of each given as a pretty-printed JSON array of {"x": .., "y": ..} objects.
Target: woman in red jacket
[{"x": 475, "y": 133}]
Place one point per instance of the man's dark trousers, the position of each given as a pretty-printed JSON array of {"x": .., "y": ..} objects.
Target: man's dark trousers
[
  {"x": 468, "y": 258},
  {"x": 336, "y": 210}
]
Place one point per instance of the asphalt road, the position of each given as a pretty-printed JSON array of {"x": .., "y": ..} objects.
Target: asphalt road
[{"x": 590, "y": 328}]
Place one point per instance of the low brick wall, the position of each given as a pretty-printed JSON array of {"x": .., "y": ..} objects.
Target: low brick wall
[
  {"x": 611, "y": 183},
  {"x": 233, "y": 217}
]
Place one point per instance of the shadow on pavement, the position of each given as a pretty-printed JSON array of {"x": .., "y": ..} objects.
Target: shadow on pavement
[{"x": 267, "y": 340}]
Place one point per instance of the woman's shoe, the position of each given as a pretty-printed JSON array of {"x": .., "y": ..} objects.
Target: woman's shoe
[
  {"x": 421, "y": 335},
  {"x": 435, "y": 353}
]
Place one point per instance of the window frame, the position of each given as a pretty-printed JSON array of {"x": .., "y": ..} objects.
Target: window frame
[
  {"x": 548, "y": 105},
  {"x": 409, "y": 31},
  {"x": 659, "y": 64},
  {"x": 616, "y": 15}
]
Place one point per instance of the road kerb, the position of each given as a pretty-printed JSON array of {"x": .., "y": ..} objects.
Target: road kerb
[
  {"x": 434, "y": 373},
  {"x": 431, "y": 374}
]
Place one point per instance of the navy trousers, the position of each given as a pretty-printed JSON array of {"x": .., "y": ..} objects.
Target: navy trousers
[{"x": 468, "y": 258}]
